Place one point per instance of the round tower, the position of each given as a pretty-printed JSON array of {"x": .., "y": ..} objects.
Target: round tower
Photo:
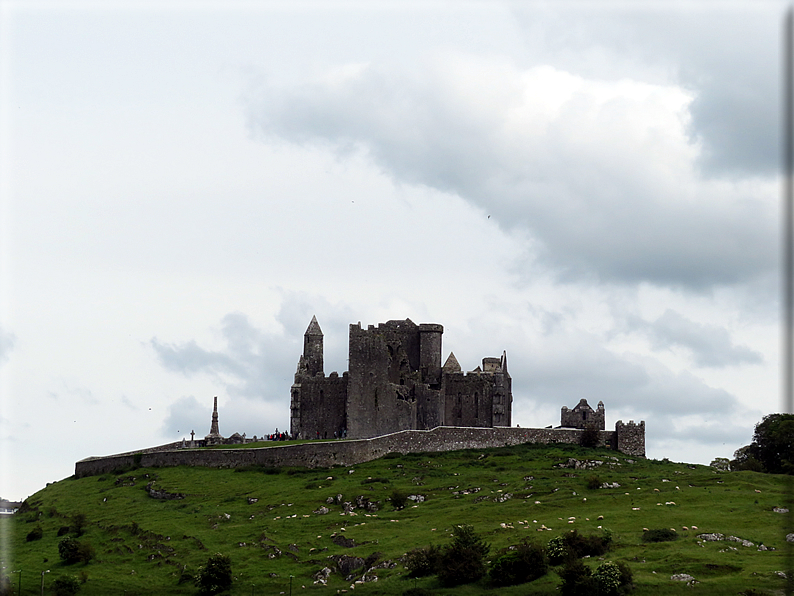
[{"x": 313, "y": 348}]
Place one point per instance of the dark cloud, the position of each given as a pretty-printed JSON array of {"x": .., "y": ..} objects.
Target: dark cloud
[
  {"x": 187, "y": 414},
  {"x": 728, "y": 54},
  {"x": 572, "y": 366},
  {"x": 252, "y": 363},
  {"x": 587, "y": 182},
  {"x": 710, "y": 345},
  {"x": 254, "y": 368}
]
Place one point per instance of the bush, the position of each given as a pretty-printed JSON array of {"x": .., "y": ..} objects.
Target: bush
[
  {"x": 63, "y": 531},
  {"x": 594, "y": 482},
  {"x": 72, "y": 550},
  {"x": 78, "y": 524},
  {"x": 216, "y": 576},
  {"x": 85, "y": 552},
  {"x": 607, "y": 576},
  {"x": 66, "y": 586},
  {"x": 68, "y": 550},
  {"x": 35, "y": 534},
  {"x": 461, "y": 562},
  {"x": 398, "y": 499},
  {"x": 417, "y": 592},
  {"x": 659, "y": 535},
  {"x": 609, "y": 579},
  {"x": 526, "y": 563},
  {"x": 579, "y": 545},
  {"x": 577, "y": 579},
  {"x": 556, "y": 550},
  {"x": 422, "y": 561}
]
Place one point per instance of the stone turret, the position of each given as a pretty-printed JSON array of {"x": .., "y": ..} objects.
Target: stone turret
[{"x": 313, "y": 348}]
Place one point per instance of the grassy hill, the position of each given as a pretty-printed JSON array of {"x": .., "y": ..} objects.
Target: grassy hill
[{"x": 266, "y": 521}]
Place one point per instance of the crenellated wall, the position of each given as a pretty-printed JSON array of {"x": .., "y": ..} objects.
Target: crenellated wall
[{"x": 350, "y": 452}]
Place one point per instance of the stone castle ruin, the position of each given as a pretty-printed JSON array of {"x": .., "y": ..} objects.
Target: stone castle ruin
[
  {"x": 396, "y": 398},
  {"x": 395, "y": 382},
  {"x": 583, "y": 416}
]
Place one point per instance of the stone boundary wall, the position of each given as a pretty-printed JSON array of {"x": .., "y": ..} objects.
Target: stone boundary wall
[{"x": 341, "y": 452}]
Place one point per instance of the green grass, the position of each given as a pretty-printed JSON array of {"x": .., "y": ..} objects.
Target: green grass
[{"x": 142, "y": 544}]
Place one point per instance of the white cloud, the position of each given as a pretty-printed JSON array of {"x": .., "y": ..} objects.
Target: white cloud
[{"x": 584, "y": 167}]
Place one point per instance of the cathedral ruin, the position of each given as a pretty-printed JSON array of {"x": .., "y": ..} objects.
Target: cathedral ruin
[{"x": 395, "y": 382}]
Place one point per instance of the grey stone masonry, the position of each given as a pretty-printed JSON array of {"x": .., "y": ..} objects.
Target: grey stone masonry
[
  {"x": 350, "y": 452},
  {"x": 395, "y": 382},
  {"x": 583, "y": 416}
]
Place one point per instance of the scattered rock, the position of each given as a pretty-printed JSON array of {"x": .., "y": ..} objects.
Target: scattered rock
[
  {"x": 322, "y": 510},
  {"x": 347, "y": 565},
  {"x": 581, "y": 465},
  {"x": 162, "y": 493},
  {"x": 780, "y": 510},
  {"x": 713, "y": 537},
  {"x": 340, "y": 540},
  {"x": 681, "y": 577},
  {"x": 321, "y": 577}
]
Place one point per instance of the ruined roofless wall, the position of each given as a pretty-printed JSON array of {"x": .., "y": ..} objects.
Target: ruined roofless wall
[{"x": 347, "y": 452}]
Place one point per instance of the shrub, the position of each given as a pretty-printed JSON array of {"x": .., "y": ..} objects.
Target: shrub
[
  {"x": 607, "y": 576},
  {"x": 35, "y": 534},
  {"x": 461, "y": 562},
  {"x": 556, "y": 550},
  {"x": 68, "y": 550},
  {"x": 613, "y": 579},
  {"x": 594, "y": 482},
  {"x": 72, "y": 550},
  {"x": 609, "y": 579},
  {"x": 526, "y": 563},
  {"x": 626, "y": 577},
  {"x": 63, "y": 531},
  {"x": 417, "y": 592},
  {"x": 398, "y": 499},
  {"x": 66, "y": 586},
  {"x": 85, "y": 552},
  {"x": 579, "y": 545},
  {"x": 422, "y": 561},
  {"x": 216, "y": 576},
  {"x": 659, "y": 535},
  {"x": 78, "y": 524},
  {"x": 577, "y": 579}
]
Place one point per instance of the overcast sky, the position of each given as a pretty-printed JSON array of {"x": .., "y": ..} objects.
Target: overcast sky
[{"x": 592, "y": 187}]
